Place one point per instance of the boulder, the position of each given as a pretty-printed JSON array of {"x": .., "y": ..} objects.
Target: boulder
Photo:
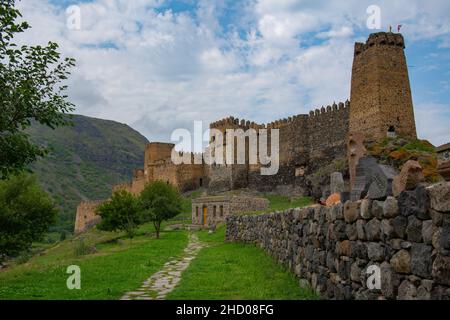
[
  {"x": 415, "y": 202},
  {"x": 351, "y": 211},
  {"x": 401, "y": 262},
  {"x": 410, "y": 176},
  {"x": 439, "y": 196}
]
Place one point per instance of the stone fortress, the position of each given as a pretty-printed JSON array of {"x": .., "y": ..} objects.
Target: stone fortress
[
  {"x": 375, "y": 223},
  {"x": 380, "y": 105}
]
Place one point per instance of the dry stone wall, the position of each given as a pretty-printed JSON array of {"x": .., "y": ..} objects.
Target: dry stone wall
[{"x": 332, "y": 248}]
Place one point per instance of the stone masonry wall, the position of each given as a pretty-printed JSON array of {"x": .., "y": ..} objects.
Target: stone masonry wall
[
  {"x": 86, "y": 216},
  {"x": 408, "y": 238}
]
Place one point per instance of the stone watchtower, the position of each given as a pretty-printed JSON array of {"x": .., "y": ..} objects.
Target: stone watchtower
[{"x": 381, "y": 102}]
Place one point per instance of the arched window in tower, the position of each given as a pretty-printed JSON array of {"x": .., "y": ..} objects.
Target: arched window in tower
[{"x": 391, "y": 132}]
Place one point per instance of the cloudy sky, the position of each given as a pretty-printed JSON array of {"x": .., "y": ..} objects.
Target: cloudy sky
[{"x": 159, "y": 65}]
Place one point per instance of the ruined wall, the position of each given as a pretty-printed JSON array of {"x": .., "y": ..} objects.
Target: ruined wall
[
  {"x": 327, "y": 132},
  {"x": 191, "y": 176},
  {"x": 331, "y": 247},
  {"x": 380, "y": 89},
  {"x": 86, "y": 216}
]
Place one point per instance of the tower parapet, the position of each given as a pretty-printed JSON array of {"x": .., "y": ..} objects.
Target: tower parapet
[{"x": 380, "y": 39}]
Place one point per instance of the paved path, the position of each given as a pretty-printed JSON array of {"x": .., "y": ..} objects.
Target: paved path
[{"x": 162, "y": 282}]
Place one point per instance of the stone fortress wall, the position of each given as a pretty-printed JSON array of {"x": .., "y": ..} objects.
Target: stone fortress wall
[
  {"x": 307, "y": 142},
  {"x": 86, "y": 216},
  {"x": 331, "y": 248}
]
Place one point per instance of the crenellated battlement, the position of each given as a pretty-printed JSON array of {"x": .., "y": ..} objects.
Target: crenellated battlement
[
  {"x": 311, "y": 116},
  {"x": 380, "y": 39},
  {"x": 234, "y": 122}
]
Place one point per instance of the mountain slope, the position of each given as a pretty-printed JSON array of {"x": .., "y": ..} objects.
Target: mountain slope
[{"x": 86, "y": 159}]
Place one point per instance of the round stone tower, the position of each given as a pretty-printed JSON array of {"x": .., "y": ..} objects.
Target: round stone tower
[{"x": 381, "y": 102}]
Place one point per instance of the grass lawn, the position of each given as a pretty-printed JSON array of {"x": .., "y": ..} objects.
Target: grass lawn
[
  {"x": 118, "y": 266},
  {"x": 236, "y": 271}
]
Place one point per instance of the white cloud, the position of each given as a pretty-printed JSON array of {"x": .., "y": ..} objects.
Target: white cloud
[
  {"x": 432, "y": 121},
  {"x": 159, "y": 70}
]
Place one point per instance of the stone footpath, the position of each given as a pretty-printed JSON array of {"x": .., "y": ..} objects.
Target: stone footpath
[{"x": 164, "y": 281}]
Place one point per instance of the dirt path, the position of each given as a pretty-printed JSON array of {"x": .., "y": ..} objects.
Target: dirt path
[{"x": 164, "y": 281}]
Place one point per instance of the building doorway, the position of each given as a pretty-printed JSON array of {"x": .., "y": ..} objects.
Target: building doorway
[{"x": 205, "y": 215}]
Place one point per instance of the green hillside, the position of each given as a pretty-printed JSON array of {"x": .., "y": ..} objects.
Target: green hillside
[{"x": 85, "y": 161}]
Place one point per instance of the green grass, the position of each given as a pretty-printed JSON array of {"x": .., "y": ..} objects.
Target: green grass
[
  {"x": 236, "y": 271},
  {"x": 279, "y": 203},
  {"x": 120, "y": 265}
]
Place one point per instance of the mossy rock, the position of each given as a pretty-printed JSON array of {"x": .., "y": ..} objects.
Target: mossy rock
[{"x": 397, "y": 151}]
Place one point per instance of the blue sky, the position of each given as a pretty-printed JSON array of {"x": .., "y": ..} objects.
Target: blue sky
[{"x": 159, "y": 65}]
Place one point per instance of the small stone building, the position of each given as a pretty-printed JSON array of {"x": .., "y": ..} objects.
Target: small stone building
[{"x": 212, "y": 210}]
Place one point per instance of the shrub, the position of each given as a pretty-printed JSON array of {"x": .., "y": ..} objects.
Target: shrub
[
  {"x": 159, "y": 201},
  {"x": 120, "y": 213},
  {"x": 26, "y": 213}
]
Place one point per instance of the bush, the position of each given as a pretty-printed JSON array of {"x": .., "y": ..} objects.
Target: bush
[
  {"x": 159, "y": 201},
  {"x": 26, "y": 213},
  {"x": 121, "y": 213}
]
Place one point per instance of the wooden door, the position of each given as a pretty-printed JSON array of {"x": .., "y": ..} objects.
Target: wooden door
[{"x": 205, "y": 215}]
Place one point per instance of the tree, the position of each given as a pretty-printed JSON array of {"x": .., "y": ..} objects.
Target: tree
[
  {"x": 26, "y": 212},
  {"x": 120, "y": 213},
  {"x": 31, "y": 90},
  {"x": 159, "y": 201}
]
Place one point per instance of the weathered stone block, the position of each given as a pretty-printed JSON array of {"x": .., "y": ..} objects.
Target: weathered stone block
[
  {"x": 351, "y": 211},
  {"x": 375, "y": 251},
  {"x": 350, "y": 230},
  {"x": 427, "y": 231},
  {"x": 440, "y": 196},
  {"x": 421, "y": 260},
  {"x": 401, "y": 262},
  {"x": 441, "y": 270},
  {"x": 415, "y": 202},
  {"x": 336, "y": 182},
  {"x": 377, "y": 209},
  {"x": 387, "y": 229},
  {"x": 366, "y": 208},
  {"x": 410, "y": 176},
  {"x": 407, "y": 291},
  {"x": 389, "y": 281},
  {"x": 339, "y": 230},
  {"x": 414, "y": 229},
  {"x": 337, "y": 212},
  {"x": 373, "y": 230},
  {"x": 390, "y": 207},
  {"x": 360, "y": 229},
  {"x": 355, "y": 273},
  {"x": 399, "y": 224}
]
